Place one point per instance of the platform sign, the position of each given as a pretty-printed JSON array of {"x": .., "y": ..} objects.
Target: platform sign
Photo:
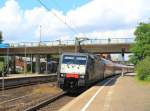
[{"x": 4, "y": 45}]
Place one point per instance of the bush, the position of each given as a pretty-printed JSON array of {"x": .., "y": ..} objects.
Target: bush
[
  {"x": 143, "y": 69},
  {"x": 1, "y": 66}
]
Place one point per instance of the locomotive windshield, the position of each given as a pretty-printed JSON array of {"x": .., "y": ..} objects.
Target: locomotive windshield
[{"x": 70, "y": 59}]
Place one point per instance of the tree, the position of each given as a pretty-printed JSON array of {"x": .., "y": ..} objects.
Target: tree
[
  {"x": 1, "y": 37},
  {"x": 141, "y": 51},
  {"x": 141, "y": 47}
]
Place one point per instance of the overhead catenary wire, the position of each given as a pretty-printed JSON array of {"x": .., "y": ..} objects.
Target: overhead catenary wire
[
  {"x": 64, "y": 22},
  {"x": 66, "y": 17},
  {"x": 58, "y": 5}
]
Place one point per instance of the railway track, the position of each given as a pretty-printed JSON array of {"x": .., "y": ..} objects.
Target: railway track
[
  {"x": 30, "y": 100},
  {"x": 57, "y": 104},
  {"x": 46, "y": 102},
  {"x": 54, "y": 103}
]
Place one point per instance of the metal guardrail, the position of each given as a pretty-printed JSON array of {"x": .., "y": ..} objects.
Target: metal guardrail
[{"x": 72, "y": 42}]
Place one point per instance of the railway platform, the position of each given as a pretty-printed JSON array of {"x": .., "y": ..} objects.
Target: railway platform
[
  {"x": 14, "y": 76},
  {"x": 16, "y": 80},
  {"x": 113, "y": 94}
]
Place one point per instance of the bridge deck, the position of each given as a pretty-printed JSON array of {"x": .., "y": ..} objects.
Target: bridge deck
[{"x": 94, "y": 48}]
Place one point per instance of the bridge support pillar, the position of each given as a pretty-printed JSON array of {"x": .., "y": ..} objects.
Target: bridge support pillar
[
  {"x": 13, "y": 64},
  {"x": 46, "y": 64},
  {"x": 37, "y": 66},
  {"x": 31, "y": 60}
]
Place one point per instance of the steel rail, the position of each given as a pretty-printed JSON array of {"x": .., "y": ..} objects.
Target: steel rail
[
  {"x": 46, "y": 102},
  {"x": 14, "y": 99}
]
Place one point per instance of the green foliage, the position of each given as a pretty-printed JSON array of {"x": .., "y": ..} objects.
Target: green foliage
[
  {"x": 1, "y": 66},
  {"x": 141, "y": 51},
  {"x": 1, "y": 59},
  {"x": 54, "y": 57},
  {"x": 143, "y": 69},
  {"x": 141, "y": 48},
  {"x": 133, "y": 59},
  {"x": 1, "y": 63}
]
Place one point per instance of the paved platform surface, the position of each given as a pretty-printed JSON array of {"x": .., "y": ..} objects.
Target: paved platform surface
[
  {"x": 114, "y": 94},
  {"x": 11, "y": 76}
]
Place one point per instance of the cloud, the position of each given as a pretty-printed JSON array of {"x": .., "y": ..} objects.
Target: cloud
[
  {"x": 96, "y": 19},
  {"x": 102, "y": 15},
  {"x": 10, "y": 18},
  {"x": 120, "y": 33}
]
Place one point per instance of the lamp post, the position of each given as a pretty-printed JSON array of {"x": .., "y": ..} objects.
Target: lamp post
[
  {"x": 7, "y": 69},
  {"x": 7, "y": 60},
  {"x": 40, "y": 35},
  {"x": 25, "y": 60},
  {"x": 46, "y": 62},
  {"x": 76, "y": 44}
]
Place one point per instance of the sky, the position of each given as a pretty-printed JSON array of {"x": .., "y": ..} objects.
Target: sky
[{"x": 20, "y": 20}]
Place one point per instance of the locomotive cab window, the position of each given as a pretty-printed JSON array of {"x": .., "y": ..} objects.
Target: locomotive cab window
[
  {"x": 69, "y": 59},
  {"x": 81, "y": 60}
]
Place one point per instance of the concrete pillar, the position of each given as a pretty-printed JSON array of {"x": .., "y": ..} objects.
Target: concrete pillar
[
  {"x": 25, "y": 64},
  {"x": 46, "y": 64},
  {"x": 31, "y": 60},
  {"x": 37, "y": 66},
  {"x": 13, "y": 64}
]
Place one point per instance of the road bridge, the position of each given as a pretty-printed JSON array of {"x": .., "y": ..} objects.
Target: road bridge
[
  {"x": 38, "y": 50},
  {"x": 114, "y": 45}
]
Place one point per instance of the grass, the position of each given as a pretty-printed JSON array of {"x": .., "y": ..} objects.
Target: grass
[
  {"x": 1, "y": 66},
  {"x": 143, "y": 82},
  {"x": 143, "y": 69}
]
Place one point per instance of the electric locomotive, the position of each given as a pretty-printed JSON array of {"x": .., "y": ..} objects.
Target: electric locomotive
[{"x": 80, "y": 70}]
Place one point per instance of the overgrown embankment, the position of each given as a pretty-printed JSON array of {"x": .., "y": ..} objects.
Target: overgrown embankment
[
  {"x": 141, "y": 51},
  {"x": 143, "y": 69}
]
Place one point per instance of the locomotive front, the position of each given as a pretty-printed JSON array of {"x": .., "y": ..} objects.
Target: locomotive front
[{"x": 72, "y": 70}]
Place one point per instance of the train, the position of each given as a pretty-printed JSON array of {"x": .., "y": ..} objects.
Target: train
[{"x": 81, "y": 70}]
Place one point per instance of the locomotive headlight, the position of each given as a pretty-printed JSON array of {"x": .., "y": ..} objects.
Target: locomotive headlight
[{"x": 82, "y": 76}]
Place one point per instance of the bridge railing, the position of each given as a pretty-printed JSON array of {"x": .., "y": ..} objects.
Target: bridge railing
[
  {"x": 72, "y": 42},
  {"x": 109, "y": 41}
]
